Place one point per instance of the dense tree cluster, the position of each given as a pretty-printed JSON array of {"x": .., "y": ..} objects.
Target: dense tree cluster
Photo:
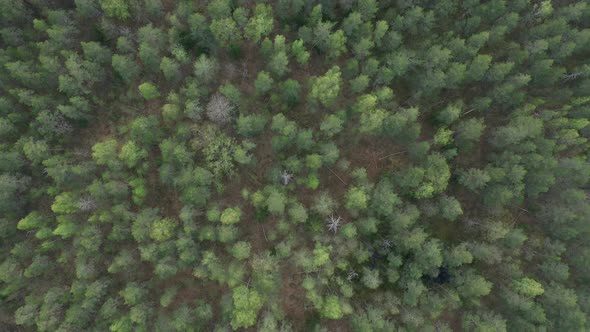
[{"x": 294, "y": 165}]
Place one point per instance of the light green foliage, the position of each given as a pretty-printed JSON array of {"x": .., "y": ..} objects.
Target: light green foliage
[
  {"x": 241, "y": 250},
  {"x": 131, "y": 154},
  {"x": 331, "y": 308},
  {"x": 356, "y": 199},
  {"x": 105, "y": 153},
  {"x": 443, "y": 137},
  {"x": 226, "y": 31},
  {"x": 450, "y": 113},
  {"x": 321, "y": 255},
  {"x": 65, "y": 203},
  {"x": 528, "y": 287},
  {"x": 246, "y": 305},
  {"x": 326, "y": 88},
  {"x": 299, "y": 52},
  {"x": 297, "y": 213},
  {"x": 259, "y": 25},
  {"x": 231, "y": 216},
  {"x": 148, "y": 91},
  {"x": 115, "y": 8},
  {"x": 163, "y": 229},
  {"x": 275, "y": 202},
  {"x": 332, "y": 124}
]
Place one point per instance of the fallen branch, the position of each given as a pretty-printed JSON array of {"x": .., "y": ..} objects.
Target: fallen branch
[
  {"x": 337, "y": 176},
  {"x": 391, "y": 155}
]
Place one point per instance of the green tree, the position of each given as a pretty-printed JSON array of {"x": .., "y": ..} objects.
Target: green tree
[
  {"x": 260, "y": 25},
  {"x": 356, "y": 199},
  {"x": 115, "y": 8},
  {"x": 148, "y": 91},
  {"x": 231, "y": 216},
  {"x": 263, "y": 83},
  {"x": 241, "y": 250},
  {"x": 326, "y": 88},
  {"x": 299, "y": 52},
  {"x": 331, "y": 308},
  {"x": 246, "y": 305}
]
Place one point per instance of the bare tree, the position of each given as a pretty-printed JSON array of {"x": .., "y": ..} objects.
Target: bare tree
[
  {"x": 219, "y": 109},
  {"x": 351, "y": 275},
  {"x": 386, "y": 244},
  {"x": 286, "y": 177},
  {"x": 334, "y": 223},
  {"x": 571, "y": 77},
  {"x": 86, "y": 204}
]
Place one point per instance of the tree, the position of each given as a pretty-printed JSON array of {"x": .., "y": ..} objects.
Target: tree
[
  {"x": 527, "y": 287},
  {"x": 371, "y": 278},
  {"x": 263, "y": 83},
  {"x": 115, "y": 8},
  {"x": 231, "y": 216},
  {"x": 225, "y": 31},
  {"x": 332, "y": 124},
  {"x": 241, "y": 250},
  {"x": 450, "y": 208},
  {"x": 326, "y": 88},
  {"x": 163, "y": 229},
  {"x": 148, "y": 91},
  {"x": 331, "y": 308},
  {"x": 219, "y": 109},
  {"x": 125, "y": 67},
  {"x": 356, "y": 199},
  {"x": 105, "y": 153},
  {"x": 170, "y": 68},
  {"x": 259, "y": 25},
  {"x": 450, "y": 113},
  {"x": 246, "y": 305},
  {"x": 474, "y": 179},
  {"x": 276, "y": 202},
  {"x": 251, "y": 125},
  {"x": 299, "y": 52},
  {"x": 206, "y": 68},
  {"x": 469, "y": 132},
  {"x": 324, "y": 204}
]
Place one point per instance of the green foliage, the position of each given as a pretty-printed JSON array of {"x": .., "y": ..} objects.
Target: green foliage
[
  {"x": 246, "y": 305},
  {"x": 331, "y": 308},
  {"x": 148, "y": 91},
  {"x": 326, "y": 88},
  {"x": 241, "y": 250},
  {"x": 251, "y": 125},
  {"x": 115, "y": 8},
  {"x": 263, "y": 83},
  {"x": 356, "y": 199},
  {"x": 230, "y": 216}
]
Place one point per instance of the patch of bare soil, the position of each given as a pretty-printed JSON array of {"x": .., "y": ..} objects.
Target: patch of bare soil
[{"x": 293, "y": 296}]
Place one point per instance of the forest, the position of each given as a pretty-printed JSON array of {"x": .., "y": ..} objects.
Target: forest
[{"x": 294, "y": 165}]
